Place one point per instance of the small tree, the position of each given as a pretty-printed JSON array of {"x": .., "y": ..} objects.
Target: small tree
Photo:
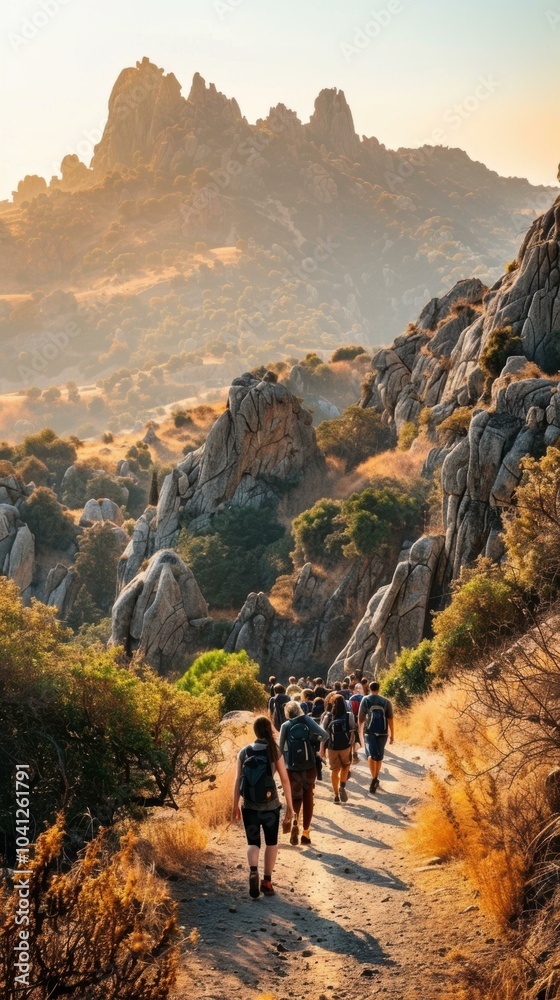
[
  {"x": 355, "y": 436},
  {"x": 532, "y": 534},
  {"x": 96, "y": 563},
  {"x": 409, "y": 675},
  {"x": 231, "y": 676},
  {"x": 154, "y": 490},
  {"x": 47, "y": 520},
  {"x": 484, "y": 610}
]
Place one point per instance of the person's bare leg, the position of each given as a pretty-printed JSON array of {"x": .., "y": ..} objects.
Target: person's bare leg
[
  {"x": 253, "y": 856},
  {"x": 372, "y": 764},
  {"x": 335, "y": 780},
  {"x": 270, "y": 855}
]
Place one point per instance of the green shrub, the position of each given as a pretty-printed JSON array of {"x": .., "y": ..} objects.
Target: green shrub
[
  {"x": 90, "y": 728},
  {"x": 501, "y": 344},
  {"x": 409, "y": 675},
  {"x": 483, "y": 611},
  {"x": 96, "y": 563},
  {"x": 370, "y": 520},
  {"x": 456, "y": 425},
  {"x": 104, "y": 485},
  {"x": 32, "y": 470},
  {"x": 407, "y": 434},
  {"x": 231, "y": 676},
  {"x": 354, "y": 436},
  {"x": 181, "y": 418},
  {"x": 56, "y": 453},
  {"x": 47, "y": 520},
  {"x": 313, "y": 532},
  {"x": 244, "y": 550},
  {"x": 532, "y": 535},
  {"x": 347, "y": 353}
]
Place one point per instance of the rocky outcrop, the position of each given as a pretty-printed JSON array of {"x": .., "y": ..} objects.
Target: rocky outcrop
[
  {"x": 17, "y": 549},
  {"x": 320, "y": 621},
  {"x": 160, "y": 613},
  {"x": 262, "y": 446},
  {"x": 97, "y": 511},
  {"x": 143, "y": 103},
  {"x": 397, "y": 616},
  {"x": 332, "y": 125},
  {"x": 61, "y": 588}
]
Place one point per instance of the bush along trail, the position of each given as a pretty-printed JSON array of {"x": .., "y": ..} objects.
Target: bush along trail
[{"x": 356, "y": 914}]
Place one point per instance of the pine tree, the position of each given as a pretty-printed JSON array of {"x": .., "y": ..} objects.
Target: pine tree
[{"x": 154, "y": 490}]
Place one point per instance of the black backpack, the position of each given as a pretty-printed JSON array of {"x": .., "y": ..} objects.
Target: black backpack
[
  {"x": 278, "y": 716},
  {"x": 376, "y": 718},
  {"x": 257, "y": 781},
  {"x": 339, "y": 733},
  {"x": 299, "y": 753}
]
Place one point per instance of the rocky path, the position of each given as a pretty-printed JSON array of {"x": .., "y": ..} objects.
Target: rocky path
[{"x": 357, "y": 914}]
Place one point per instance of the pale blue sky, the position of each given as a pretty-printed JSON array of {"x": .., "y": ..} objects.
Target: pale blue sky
[{"x": 401, "y": 84}]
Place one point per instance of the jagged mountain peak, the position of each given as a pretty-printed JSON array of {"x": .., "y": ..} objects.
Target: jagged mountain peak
[
  {"x": 209, "y": 99},
  {"x": 332, "y": 124}
]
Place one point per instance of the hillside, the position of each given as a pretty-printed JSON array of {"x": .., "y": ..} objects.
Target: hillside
[{"x": 193, "y": 231}]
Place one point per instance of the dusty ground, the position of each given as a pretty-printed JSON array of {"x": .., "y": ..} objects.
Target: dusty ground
[{"x": 357, "y": 914}]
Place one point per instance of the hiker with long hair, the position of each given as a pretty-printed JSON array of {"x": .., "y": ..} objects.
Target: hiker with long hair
[
  {"x": 340, "y": 725},
  {"x": 296, "y": 744},
  {"x": 255, "y": 788}
]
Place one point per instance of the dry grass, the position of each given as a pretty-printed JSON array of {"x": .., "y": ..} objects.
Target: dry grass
[
  {"x": 404, "y": 466},
  {"x": 282, "y": 594},
  {"x": 175, "y": 841},
  {"x": 477, "y": 814}
]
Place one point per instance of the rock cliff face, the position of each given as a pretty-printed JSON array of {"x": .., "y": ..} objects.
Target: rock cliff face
[
  {"x": 320, "y": 619},
  {"x": 436, "y": 368},
  {"x": 260, "y": 447}
]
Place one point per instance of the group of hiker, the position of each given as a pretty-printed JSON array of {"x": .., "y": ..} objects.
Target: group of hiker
[{"x": 307, "y": 724}]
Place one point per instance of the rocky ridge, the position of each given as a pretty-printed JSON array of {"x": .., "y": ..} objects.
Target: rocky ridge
[{"x": 434, "y": 370}]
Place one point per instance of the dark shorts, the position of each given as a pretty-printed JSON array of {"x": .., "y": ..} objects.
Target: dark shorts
[
  {"x": 269, "y": 819},
  {"x": 375, "y": 746}
]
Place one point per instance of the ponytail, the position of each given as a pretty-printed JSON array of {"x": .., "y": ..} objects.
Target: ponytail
[{"x": 262, "y": 728}]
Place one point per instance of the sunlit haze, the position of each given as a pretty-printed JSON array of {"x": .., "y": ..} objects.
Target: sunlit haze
[{"x": 403, "y": 64}]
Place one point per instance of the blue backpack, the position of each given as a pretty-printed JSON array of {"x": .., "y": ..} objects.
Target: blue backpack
[
  {"x": 257, "y": 782},
  {"x": 376, "y": 718},
  {"x": 300, "y": 755}
]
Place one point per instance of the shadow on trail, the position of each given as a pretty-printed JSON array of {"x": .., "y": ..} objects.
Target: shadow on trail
[
  {"x": 408, "y": 766},
  {"x": 324, "y": 824},
  {"x": 337, "y": 863}
]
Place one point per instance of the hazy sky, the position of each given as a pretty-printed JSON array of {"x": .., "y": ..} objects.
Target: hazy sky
[{"x": 403, "y": 65}]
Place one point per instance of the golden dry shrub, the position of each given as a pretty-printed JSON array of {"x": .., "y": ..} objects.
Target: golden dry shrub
[{"x": 102, "y": 928}]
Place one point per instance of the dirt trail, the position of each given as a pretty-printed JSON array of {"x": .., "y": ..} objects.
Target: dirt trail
[{"x": 357, "y": 914}]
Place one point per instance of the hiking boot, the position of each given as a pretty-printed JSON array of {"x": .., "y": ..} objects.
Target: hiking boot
[
  {"x": 377, "y": 783},
  {"x": 373, "y": 785},
  {"x": 294, "y": 836},
  {"x": 267, "y": 887},
  {"x": 343, "y": 794},
  {"x": 336, "y": 798},
  {"x": 305, "y": 839},
  {"x": 254, "y": 890}
]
